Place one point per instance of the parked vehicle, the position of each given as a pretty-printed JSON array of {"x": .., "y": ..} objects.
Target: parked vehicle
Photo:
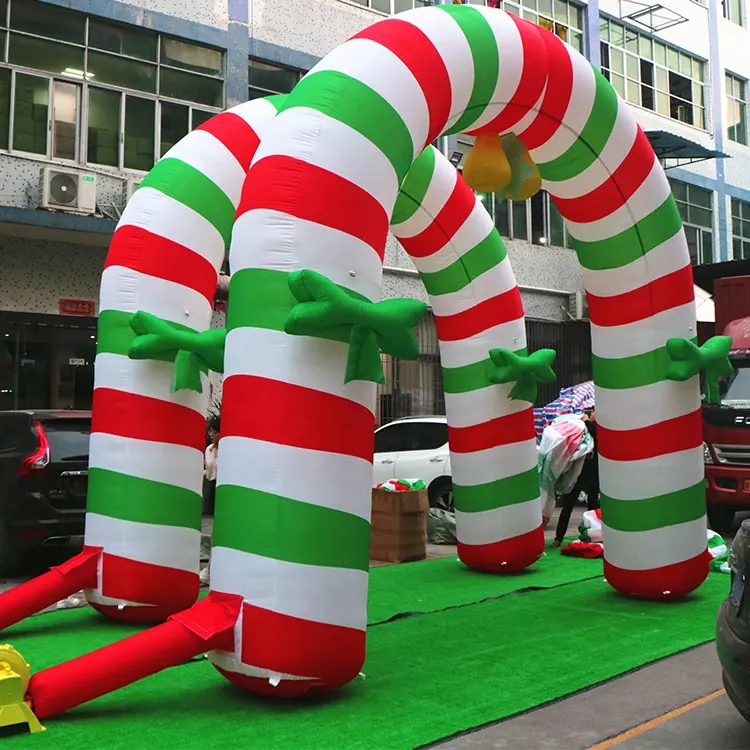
[
  {"x": 733, "y": 626},
  {"x": 44, "y": 457},
  {"x": 416, "y": 448},
  {"x": 726, "y": 436}
]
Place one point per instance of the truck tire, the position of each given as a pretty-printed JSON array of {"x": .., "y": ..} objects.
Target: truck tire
[
  {"x": 721, "y": 518},
  {"x": 440, "y": 493}
]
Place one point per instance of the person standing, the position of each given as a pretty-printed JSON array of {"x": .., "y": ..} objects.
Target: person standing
[
  {"x": 588, "y": 482},
  {"x": 210, "y": 465}
]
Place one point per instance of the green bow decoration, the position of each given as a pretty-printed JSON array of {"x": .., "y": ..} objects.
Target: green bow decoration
[
  {"x": 525, "y": 370},
  {"x": 192, "y": 353},
  {"x": 688, "y": 359},
  {"x": 325, "y": 308}
]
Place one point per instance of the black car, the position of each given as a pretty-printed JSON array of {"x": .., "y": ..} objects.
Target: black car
[
  {"x": 44, "y": 461},
  {"x": 733, "y": 626}
]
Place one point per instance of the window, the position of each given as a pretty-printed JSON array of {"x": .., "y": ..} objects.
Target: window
[
  {"x": 96, "y": 79},
  {"x": 411, "y": 436},
  {"x": 740, "y": 229},
  {"x": 394, "y": 6},
  {"x": 265, "y": 79},
  {"x": 696, "y": 210},
  {"x": 558, "y": 16},
  {"x": 736, "y": 109},
  {"x": 733, "y": 11},
  {"x": 650, "y": 74}
]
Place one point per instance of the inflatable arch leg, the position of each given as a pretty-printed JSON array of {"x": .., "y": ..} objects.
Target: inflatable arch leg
[{"x": 462, "y": 261}]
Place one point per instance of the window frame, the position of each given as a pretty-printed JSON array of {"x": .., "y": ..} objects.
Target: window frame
[
  {"x": 700, "y": 229},
  {"x": 730, "y": 79},
  {"x": 728, "y": 13},
  {"x": 641, "y": 50},
  {"x": 736, "y": 230},
  {"x": 261, "y": 89},
  {"x": 85, "y": 84}
]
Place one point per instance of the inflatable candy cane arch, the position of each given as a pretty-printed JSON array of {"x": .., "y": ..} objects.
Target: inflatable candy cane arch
[{"x": 290, "y": 551}]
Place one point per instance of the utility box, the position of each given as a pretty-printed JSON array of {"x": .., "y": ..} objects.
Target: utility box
[{"x": 399, "y": 526}]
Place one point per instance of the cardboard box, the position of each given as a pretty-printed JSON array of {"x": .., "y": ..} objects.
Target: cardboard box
[{"x": 399, "y": 526}]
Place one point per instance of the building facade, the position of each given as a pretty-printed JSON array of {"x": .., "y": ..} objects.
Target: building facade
[{"x": 92, "y": 92}]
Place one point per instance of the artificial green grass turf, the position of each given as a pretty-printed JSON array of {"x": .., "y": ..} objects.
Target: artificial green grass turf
[
  {"x": 432, "y": 585},
  {"x": 428, "y": 676}
]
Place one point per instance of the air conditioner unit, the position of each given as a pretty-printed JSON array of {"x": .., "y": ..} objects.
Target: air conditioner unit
[
  {"x": 578, "y": 306},
  {"x": 130, "y": 187},
  {"x": 67, "y": 190}
]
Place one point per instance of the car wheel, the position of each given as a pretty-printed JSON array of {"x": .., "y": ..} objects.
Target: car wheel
[
  {"x": 441, "y": 494},
  {"x": 740, "y": 699},
  {"x": 721, "y": 518},
  {"x": 10, "y": 555}
]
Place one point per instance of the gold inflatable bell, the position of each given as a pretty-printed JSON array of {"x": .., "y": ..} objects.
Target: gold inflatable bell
[
  {"x": 487, "y": 169},
  {"x": 14, "y": 679}
]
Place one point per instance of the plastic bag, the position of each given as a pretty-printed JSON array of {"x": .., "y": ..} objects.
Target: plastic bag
[
  {"x": 441, "y": 526},
  {"x": 564, "y": 446},
  {"x": 402, "y": 485}
]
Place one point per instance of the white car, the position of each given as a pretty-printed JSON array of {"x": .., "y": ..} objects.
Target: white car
[{"x": 416, "y": 448}]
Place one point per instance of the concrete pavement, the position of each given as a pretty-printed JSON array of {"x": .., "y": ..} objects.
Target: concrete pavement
[{"x": 677, "y": 703}]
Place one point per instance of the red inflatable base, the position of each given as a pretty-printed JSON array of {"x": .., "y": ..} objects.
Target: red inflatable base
[
  {"x": 670, "y": 582},
  {"x": 286, "y": 689},
  {"x": 508, "y": 556}
]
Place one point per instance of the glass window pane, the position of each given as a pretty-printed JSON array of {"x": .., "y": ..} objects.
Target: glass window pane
[
  {"x": 30, "y": 114},
  {"x": 736, "y": 248},
  {"x": 123, "y": 40},
  {"x": 673, "y": 59},
  {"x": 633, "y": 90},
  {"x": 43, "y": 55},
  {"x": 662, "y": 79},
  {"x": 645, "y": 47},
  {"x": 65, "y": 107},
  {"x": 700, "y": 216},
  {"x": 576, "y": 16},
  {"x": 686, "y": 65},
  {"x": 745, "y": 229},
  {"x": 191, "y": 88},
  {"x": 174, "y": 125},
  {"x": 502, "y": 220},
  {"x": 129, "y": 74},
  {"x": 520, "y": 222},
  {"x": 576, "y": 41},
  {"x": 199, "y": 59},
  {"x": 707, "y": 247},
  {"x": 3, "y": 12},
  {"x": 745, "y": 208},
  {"x": 198, "y": 117},
  {"x": 545, "y": 9},
  {"x": 104, "y": 127},
  {"x": 616, "y": 34},
  {"x": 556, "y": 226},
  {"x": 662, "y": 103},
  {"x": 660, "y": 53},
  {"x": 632, "y": 67},
  {"x": 140, "y": 118},
  {"x": 52, "y": 22},
  {"x": 631, "y": 41},
  {"x": 561, "y": 11},
  {"x": 4, "y": 107},
  {"x": 691, "y": 235},
  {"x": 679, "y": 190},
  {"x": 699, "y": 197},
  {"x": 604, "y": 29},
  {"x": 699, "y": 70},
  {"x": 619, "y": 84},
  {"x": 736, "y": 211},
  {"x": 617, "y": 59},
  {"x": 272, "y": 77}
]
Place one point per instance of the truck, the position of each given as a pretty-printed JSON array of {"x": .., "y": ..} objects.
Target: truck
[{"x": 726, "y": 426}]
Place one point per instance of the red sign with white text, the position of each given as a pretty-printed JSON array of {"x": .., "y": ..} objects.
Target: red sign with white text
[{"x": 84, "y": 307}]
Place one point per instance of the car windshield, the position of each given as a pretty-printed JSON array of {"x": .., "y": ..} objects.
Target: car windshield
[
  {"x": 411, "y": 436},
  {"x": 68, "y": 439}
]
